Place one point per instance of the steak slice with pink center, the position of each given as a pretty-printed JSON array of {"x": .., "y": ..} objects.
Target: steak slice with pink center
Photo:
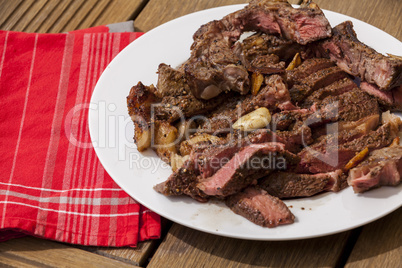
[
  {"x": 290, "y": 185},
  {"x": 383, "y": 167},
  {"x": 251, "y": 163},
  {"x": 259, "y": 207}
]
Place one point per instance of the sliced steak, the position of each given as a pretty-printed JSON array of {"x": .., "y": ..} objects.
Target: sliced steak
[
  {"x": 285, "y": 120},
  {"x": 260, "y": 44},
  {"x": 363, "y": 125},
  {"x": 298, "y": 137},
  {"x": 308, "y": 67},
  {"x": 274, "y": 95},
  {"x": 251, "y": 163},
  {"x": 350, "y": 106},
  {"x": 183, "y": 182},
  {"x": 259, "y": 207},
  {"x": 335, "y": 151},
  {"x": 319, "y": 79},
  {"x": 213, "y": 67},
  {"x": 172, "y": 108},
  {"x": 266, "y": 64},
  {"x": 303, "y": 25},
  {"x": 360, "y": 60},
  {"x": 214, "y": 157},
  {"x": 335, "y": 89},
  {"x": 390, "y": 100},
  {"x": 383, "y": 167},
  {"x": 289, "y": 185},
  {"x": 171, "y": 82}
]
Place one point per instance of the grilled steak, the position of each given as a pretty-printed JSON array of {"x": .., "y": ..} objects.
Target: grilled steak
[
  {"x": 320, "y": 118},
  {"x": 303, "y": 25},
  {"x": 297, "y": 137},
  {"x": 172, "y": 108},
  {"x": 213, "y": 67},
  {"x": 382, "y": 167},
  {"x": 288, "y": 185},
  {"x": 358, "y": 59},
  {"x": 261, "y": 44},
  {"x": 272, "y": 96},
  {"x": 308, "y": 67},
  {"x": 266, "y": 64},
  {"x": 337, "y": 88},
  {"x": 363, "y": 126},
  {"x": 170, "y": 101},
  {"x": 391, "y": 99},
  {"x": 171, "y": 82},
  {"x": 214, "y": 157},
  {"x": 335, "y": 151},
  {"x": 285, "y": 120},
  {"x": 251, "y": 163},
  {"x": 349, "y": 106},
  {"x": 319, "y": 79},
  {"x": 183, "y": 181},
  {"x": 259, "y": 207}
]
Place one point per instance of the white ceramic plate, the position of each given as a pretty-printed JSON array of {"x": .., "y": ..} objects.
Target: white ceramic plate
[{"x": 111, "y": 132}]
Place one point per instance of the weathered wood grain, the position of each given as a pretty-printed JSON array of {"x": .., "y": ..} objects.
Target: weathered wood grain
[
  {"x": 7, "y": 8},
  {"x": 20, "y": 22},
  {"x": 136, "y": 256},
  {"x": 97, "y": 12},
  {"x": 184, "y": 247},
  {"x": 55, "y": 16},
  {"x": 12, "y": 18},
  {"x": 47, "y": 14},
  {"x": 379, "y": 244},
  {"x": 29, "y": 251},
  {"x": 119, "y": 10},
  {"x": 157, "y": 12},
  {"x": 386, "y": 15}
]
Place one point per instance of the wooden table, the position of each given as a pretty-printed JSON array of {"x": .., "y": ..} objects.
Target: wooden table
[{"x": 378, "y": 244}]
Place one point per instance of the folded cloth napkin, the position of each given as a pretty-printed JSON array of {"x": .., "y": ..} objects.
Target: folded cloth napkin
[{"x": 49, "y": 187}]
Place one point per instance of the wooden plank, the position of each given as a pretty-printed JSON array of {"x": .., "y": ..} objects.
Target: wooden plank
[
  {"x": 60, "y": 16},
  {"x": 44, "y": 15},
  {"x": 19, "y": 12},
  {"x": 79, "y": 16},
  {"x": 96, "y": 12},
  {"x": 379, "y": 244},
  {"x": 386, "y": 15},
  {"x": 29, "y": 251},
  {"x": 184, "y": 247},
  {"x": 21, "y": 22},
  {"x": 7, "y": 7},
  {"x": 119, "y": 10},
  {"x": 136, "y": 256},
  {"x": 157, "y": 12}
]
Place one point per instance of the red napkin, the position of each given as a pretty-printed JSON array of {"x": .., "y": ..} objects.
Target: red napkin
[{"x": 49, "y": 187}]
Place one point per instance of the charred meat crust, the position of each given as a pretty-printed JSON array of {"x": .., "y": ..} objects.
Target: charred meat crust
[
  {"x": 289, "y": 185},
  {"x": 242, "y": 170},
  {"x": 360, "y": 60},
  {"x": 260, "y": 208},
  {"x": 382, "y": 168},
  {"x": 213, "y": 66}
]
